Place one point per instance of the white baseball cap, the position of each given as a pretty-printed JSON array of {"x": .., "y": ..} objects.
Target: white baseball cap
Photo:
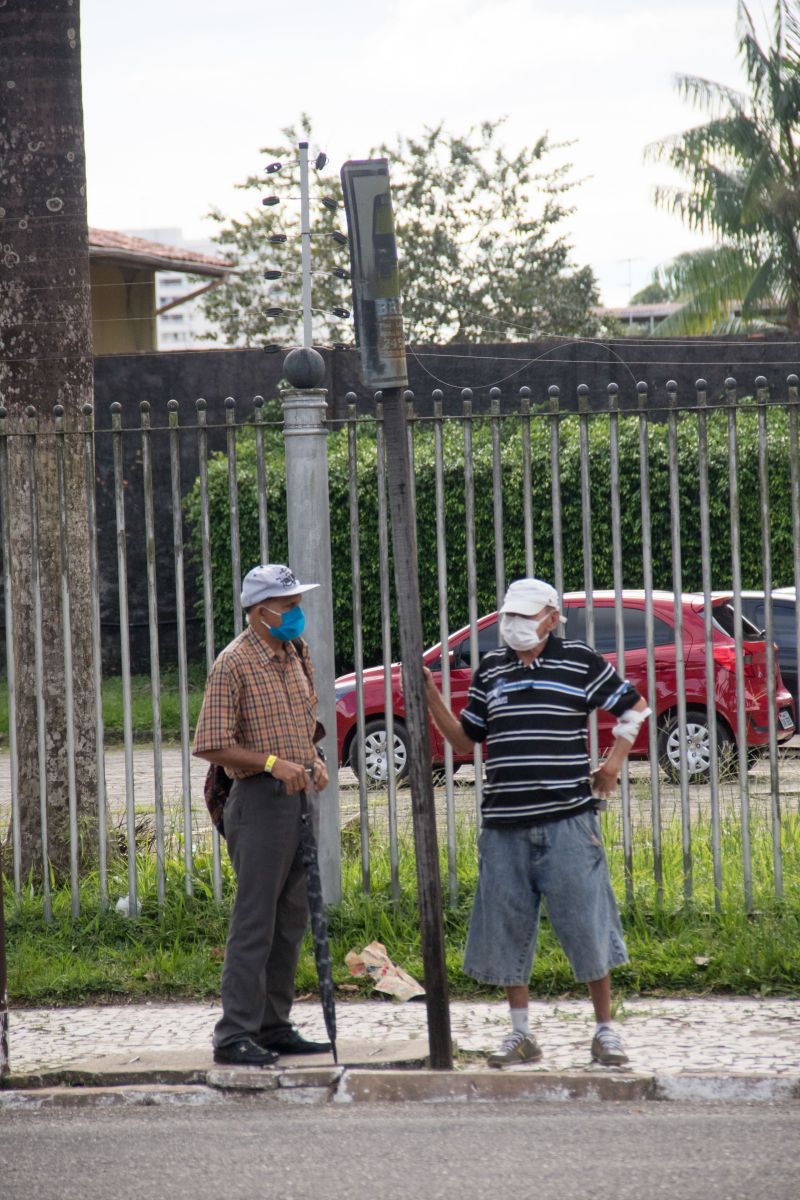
[
  {"x": 270, "y": 580},
  {"x": 529, "y": 596}
]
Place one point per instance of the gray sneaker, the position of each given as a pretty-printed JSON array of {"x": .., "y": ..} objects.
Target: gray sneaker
[
  {"x": 607, "y": 1048},
  {"x": 517, "y": 1048}
]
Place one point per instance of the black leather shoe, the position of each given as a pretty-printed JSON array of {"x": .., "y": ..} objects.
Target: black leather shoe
[
  {"x": 245, "y": 1053},
  {"x": 293, "y": 1042}
]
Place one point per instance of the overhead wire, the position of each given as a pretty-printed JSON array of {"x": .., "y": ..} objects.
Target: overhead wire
[{"x": 492, "y": 325}]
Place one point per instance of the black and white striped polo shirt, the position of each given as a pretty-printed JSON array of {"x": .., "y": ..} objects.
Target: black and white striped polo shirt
[{"x": 534, "y": 722}]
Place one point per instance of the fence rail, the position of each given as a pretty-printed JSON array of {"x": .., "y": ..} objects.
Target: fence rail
[{"x": 677, "y": 493}]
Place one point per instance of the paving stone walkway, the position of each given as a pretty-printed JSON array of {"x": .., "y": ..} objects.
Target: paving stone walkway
[{"x": 661, "y": 1036}]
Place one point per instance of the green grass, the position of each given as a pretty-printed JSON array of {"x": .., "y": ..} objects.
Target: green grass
[
  {"x": 141, "y": 704},
  {"x": 142, "y": 707},
  {"x": 674, "y": 947}
]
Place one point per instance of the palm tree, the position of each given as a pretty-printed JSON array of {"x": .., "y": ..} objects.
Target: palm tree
[
  {"x": 743, "y": 167},
  {"x": 46, "y": 359}
]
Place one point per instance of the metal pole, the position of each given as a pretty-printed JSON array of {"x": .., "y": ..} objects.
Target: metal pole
[
  {"x": 358, "y": 635},
  {"x": 11, "y": 670},
  {"x": 472, "y": 576},
  {"x": 97, "y": 656},
  {"x": 649, "y": 633},
  {"x": 444, "y": 634},
  {"x": 497, "y": 505},
  {"x": 183, "y": 666},
  {"x": 309, "y": 537},
  {"x": 208, "y": 601},
  {"x": 766, "y": 559},
  {"x": 555, "y": 490},
  {"x": 233, "y": 504},
  {"x": 4, "y": 1061},
  {"x": 305, "y": 243},
  {"x": 619, "y": 619},
  {"x": 527, "y": 499},
  {"x": 386, "y": 647},
  {"x": 125, "y": 652},
  {"x": 736, "y": 580},
  {"x": 155, "y": 662},
  {"x": 38, "y": 644},
  {"x": 261, "y": 475},
  {"x": 586, "y": 534},
  {"x": 708, "y": 636},
  {"x": 680, "y": 672},
  {"x": 66, "y": 622},
  {"x": 794, "y": 461},
  {"x": 429, "y": 891}
]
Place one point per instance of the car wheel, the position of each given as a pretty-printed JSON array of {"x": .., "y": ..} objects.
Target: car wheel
[
  {"x": 375, "y": 758},
  {"x": 698, "y": 748}
]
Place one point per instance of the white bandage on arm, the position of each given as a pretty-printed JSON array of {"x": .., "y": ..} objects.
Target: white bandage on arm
[{"x": 630, "y": 723}]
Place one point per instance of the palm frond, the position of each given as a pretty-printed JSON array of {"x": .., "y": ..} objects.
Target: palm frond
[
  {"x": 705, "y": 93},
  {"x": 743, "y": 168},
  {"x": 761, "y": 290},
  {"x": 755, "y": 61},
  {"x": 714, "y": 280}
]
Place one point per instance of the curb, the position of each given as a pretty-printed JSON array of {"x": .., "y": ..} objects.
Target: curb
[{"x": 342, "y": 1085}]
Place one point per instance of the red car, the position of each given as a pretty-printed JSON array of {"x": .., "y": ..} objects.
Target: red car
[{"x": 664, "y": 704}]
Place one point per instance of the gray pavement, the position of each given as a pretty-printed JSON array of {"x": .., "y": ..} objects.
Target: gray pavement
[
  {"x": 695, "y": 1048},
  {"x": 255, "y": 1148}
]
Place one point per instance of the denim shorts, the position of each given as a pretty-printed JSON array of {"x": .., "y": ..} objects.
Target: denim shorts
[{"x": 562, "y": 862}]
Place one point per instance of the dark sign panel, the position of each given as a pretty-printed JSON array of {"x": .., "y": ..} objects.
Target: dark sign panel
[{"x": 376, "y": 279}]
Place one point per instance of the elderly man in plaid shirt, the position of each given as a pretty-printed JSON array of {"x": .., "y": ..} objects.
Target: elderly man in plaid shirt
[{"x": 258, "y": 721}]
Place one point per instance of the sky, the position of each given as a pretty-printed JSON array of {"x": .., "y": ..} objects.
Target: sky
[{"x": 180, "y": 95}]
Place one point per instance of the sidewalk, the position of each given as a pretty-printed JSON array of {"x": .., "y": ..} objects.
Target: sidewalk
[{"x": 713, "y": 1049}]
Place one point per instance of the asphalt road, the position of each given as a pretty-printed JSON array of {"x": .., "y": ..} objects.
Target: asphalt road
[{"x": 237, "y": 1150}]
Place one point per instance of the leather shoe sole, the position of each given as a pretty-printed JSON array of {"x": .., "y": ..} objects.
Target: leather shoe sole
[{"x": 245, "y": 1053}]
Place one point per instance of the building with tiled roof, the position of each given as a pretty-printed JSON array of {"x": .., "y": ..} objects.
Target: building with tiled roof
[{"x": 123, "y": 271}]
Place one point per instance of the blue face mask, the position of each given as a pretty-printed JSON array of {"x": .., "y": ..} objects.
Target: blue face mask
[{"x": 292, "y": 625}]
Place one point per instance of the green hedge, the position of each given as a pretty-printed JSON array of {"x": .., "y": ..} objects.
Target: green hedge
[{"x": 511, "y": 458}]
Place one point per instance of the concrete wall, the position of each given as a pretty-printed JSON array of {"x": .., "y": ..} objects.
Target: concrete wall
[{"x": 215, "y": 374}]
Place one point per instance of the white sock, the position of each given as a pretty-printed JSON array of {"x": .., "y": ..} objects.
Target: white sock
[
  {"x": 604, "y": 1025},
  {"x": 519, "y": 1020}
]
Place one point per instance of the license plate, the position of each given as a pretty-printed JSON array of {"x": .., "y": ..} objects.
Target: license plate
[{"x": 785, "y": 719}]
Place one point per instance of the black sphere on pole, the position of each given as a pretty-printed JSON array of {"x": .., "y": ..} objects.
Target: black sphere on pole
[{"x": 304, "y": 368}]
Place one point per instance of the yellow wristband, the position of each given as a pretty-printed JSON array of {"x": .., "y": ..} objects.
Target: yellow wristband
[{"x": 270, "y": 763}]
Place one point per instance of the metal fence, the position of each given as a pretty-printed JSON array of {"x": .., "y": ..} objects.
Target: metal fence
[{"x": 535, "y": 465}]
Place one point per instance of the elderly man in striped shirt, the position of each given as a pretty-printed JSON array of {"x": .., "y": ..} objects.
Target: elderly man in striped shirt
[
  {"x": 258, "y": 721},
  {"x": 530, "y": 702}
]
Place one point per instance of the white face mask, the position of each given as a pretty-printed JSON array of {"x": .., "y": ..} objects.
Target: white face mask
[{"x": 521, "y": 633}]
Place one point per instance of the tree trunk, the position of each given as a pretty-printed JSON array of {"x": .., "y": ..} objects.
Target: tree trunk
[
  {"x": 45, "y": 318},
  {"x": 793, "y": 316}
]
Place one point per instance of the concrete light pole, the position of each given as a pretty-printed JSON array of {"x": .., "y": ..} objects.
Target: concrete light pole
[{"x": 309, "y": 534}]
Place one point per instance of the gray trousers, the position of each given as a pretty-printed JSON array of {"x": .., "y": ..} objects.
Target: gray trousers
[{"x": 270, "y": 913}]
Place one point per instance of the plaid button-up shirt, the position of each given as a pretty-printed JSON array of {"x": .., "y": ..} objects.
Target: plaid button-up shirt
[{"x": 259, "y": 700}]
